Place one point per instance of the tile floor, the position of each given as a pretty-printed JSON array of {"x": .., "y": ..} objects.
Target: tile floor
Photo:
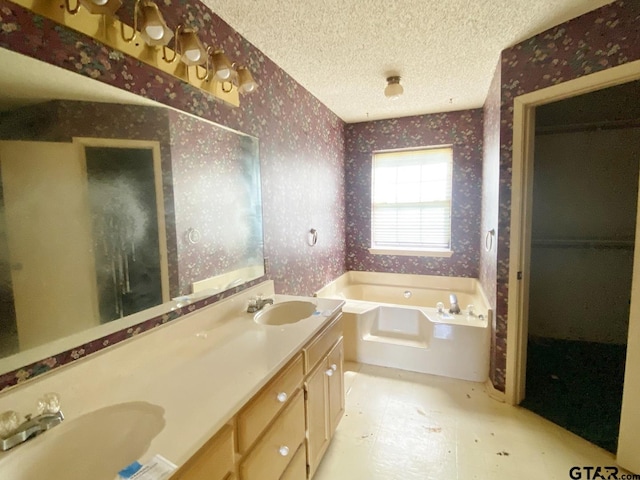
[{"x": 402, "y": 425}]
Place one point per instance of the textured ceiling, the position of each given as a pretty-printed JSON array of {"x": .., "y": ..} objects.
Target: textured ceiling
[{"x": 342, "y": 50}]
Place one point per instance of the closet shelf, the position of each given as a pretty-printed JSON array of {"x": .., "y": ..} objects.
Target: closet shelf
[{"x": 596, "y": 243}]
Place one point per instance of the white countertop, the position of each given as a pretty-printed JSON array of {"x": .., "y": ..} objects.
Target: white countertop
[{"x": 195, "y": 373}]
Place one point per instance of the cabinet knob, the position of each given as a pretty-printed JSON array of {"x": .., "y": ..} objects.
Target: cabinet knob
[
  {"x": 284, "y": 450},
  {"x": 282, "y": 397},
  {"x": 334, "y": 367},
  {"x": 329, "y": 372}
]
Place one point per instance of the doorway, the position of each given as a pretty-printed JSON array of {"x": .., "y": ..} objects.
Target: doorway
[
  {"x": 585, "y": 191},
  {"x": 520, "y": 248}
]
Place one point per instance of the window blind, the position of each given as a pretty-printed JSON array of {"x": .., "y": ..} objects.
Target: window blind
[{"x": 411, "y": 199}]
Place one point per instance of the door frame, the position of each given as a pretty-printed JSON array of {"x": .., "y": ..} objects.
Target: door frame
[
  {"x": 154, "y": 146},
  {"x": 521, "y": 207}
]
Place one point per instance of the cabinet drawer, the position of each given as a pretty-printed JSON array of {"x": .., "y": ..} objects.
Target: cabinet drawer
[
  {"x": 319, "y": 346},
  {"x": 253, "y": 419},
  {"x": 269, "y": 459},
  {"x": 214, "y": 461},
  {"x": 297, "y": 469}
]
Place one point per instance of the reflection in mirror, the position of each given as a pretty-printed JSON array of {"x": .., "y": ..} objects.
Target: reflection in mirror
[{"x": 110, "y": 207}]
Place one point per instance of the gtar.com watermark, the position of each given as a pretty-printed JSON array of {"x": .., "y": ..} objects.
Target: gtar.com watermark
[{"x": 600, "y": 473}]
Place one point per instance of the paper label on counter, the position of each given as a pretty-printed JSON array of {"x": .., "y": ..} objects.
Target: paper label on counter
[{"x": 158, "y": 468}]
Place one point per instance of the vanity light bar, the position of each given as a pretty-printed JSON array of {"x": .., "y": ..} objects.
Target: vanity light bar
[{"x": 107, "y": 30}]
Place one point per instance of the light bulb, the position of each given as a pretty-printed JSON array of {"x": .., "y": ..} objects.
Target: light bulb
[
  {"x": 193, "y": 54},
  {"x": 393, "y": 89},
  {"x": 249, "y": 87},
  {"x": 223, "y": 73},
  {"x": 156, "y": 32},
  {"x": 221, "y": 65},
  {"x": 246, "y": 83}
]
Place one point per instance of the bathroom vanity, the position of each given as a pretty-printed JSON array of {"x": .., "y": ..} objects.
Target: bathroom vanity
[
  {"x": 215, "y": 392},
  {"x": 266, "y": 439}
]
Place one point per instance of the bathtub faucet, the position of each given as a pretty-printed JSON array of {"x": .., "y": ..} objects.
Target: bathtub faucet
[{"x": 453, "y": 299}]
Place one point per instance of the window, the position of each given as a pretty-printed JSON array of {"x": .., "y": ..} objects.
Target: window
[{"x": 411, "y": 202}]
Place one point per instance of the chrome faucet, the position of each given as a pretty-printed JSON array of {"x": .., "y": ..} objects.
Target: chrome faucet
[
  {"x": 13, "y": 433},
  {"x": 453, "y": 300},
  {"x": 258, "y": 303}
]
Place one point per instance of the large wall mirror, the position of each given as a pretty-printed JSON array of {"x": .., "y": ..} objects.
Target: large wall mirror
[{"x": 113, "y": 210}]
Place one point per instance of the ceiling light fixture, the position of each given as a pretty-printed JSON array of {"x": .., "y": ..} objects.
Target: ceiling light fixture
[{"x": 393, "y": 89}]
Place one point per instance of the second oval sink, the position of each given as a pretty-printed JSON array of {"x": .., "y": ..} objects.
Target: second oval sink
[{"x": 285, "y": 313}]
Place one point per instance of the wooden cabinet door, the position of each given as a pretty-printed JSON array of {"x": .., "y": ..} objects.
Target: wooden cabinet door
[
  {"x": 335, "y": 362},
  {"x": 297, "y": 469},
  {"x": 317, "y": 404},
  {"x": 215, "y": 461}
]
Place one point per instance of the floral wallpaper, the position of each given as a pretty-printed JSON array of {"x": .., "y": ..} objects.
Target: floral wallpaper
[
  {"x": 604, "y": 38},
  {"x": 490, "y": 201},
  {"x": 300, "y": 143},
  {"x": 461, "y": 129},
  {"x": 216, "y": 191}
]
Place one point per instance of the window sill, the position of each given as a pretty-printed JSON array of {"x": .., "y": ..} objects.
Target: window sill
[{"x": 411, "y": 253}]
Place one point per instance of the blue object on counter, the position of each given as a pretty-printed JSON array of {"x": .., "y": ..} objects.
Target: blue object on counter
[{"x": 130, "y": 470}]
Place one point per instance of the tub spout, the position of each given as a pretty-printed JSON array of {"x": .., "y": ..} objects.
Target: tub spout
[{"x": 453, "y": 299}]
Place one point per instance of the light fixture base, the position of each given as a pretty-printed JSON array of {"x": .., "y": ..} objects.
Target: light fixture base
[
  {"x": 109, "y": 33},
  {"x": 393, "y": 89}
]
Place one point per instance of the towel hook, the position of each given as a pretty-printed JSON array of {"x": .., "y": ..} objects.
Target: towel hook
[
  {"x": 313, "y": 237},
  {"x": 488, "y": 239},
  {"x": 193, "y": 236}
]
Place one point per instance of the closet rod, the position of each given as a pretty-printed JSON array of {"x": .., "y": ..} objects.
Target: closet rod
[{"x": 589, "y": 126}]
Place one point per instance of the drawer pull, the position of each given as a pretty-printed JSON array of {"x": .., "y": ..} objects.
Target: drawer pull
[
  {"x": 282, "y": 397},
  {"x": 284, "y": 450},
  {"x": 329, "y": 372}
]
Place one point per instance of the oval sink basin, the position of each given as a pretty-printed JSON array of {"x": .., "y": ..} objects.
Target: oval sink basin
[
  {"x": 96, "y": 445},
  {"x": 284, "y": 313}
]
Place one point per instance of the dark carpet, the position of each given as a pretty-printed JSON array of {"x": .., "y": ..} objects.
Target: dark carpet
[{"x": 577, "y": 385}]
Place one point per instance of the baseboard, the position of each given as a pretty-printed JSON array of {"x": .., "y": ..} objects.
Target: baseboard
[{"x": 493, "y": 392}]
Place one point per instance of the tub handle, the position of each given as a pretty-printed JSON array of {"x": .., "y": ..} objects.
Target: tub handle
[{"x": 488, "y": 239}]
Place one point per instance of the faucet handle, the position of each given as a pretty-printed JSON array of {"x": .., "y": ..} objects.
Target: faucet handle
[
  {"x": 9, "y": 422},
  {"x": 49, "y": 403}
]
